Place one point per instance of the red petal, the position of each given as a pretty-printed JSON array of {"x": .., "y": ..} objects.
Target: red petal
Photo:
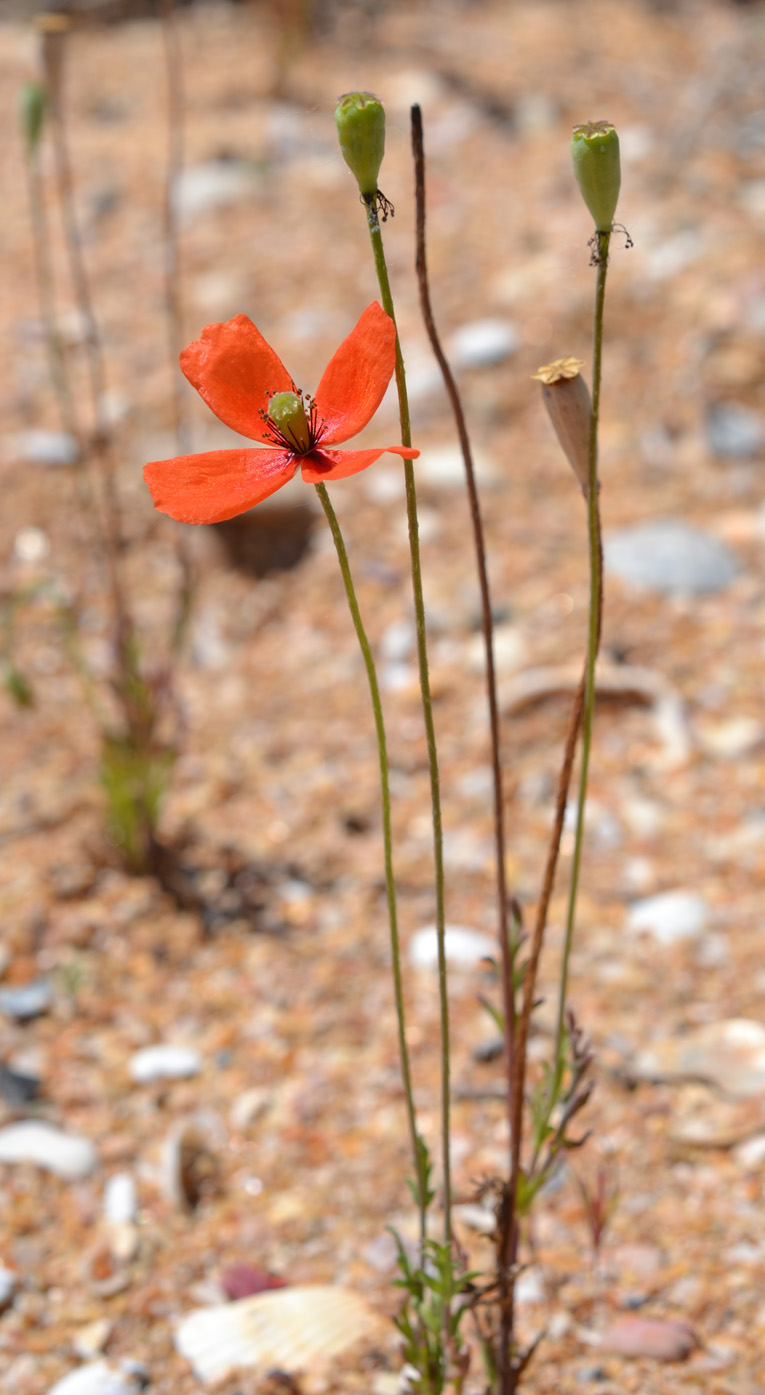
[
  {"x": 322, "y": 465},
  {"x": 217, "y": 484},
  {"x": 236, "y": 372},
  {"x": 354, "y": 381}
]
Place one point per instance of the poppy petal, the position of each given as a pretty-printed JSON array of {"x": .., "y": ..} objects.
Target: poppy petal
[
  {"x": 236, "y": 372},
  {"x": 355, "y": 379},
  {"x": 322, "y": 465},
  {"x": 217, "y": 484}
]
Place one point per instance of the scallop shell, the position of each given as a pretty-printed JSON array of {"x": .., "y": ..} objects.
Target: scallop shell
[{"x": 290, "y": 1329}]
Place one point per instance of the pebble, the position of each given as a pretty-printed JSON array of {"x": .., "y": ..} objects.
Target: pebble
[
  {"x": 510, "y": 650},
  {"x": 750, "y": 1155},
  {"x": 66, "y": 1155},
  {"x": 213, "y": 184},
  {"x": 27, "y": 1001},
  {"x": 120, "y": 1199},
  {"x": 670, "y": 916},
  {"x": 90, "y": 1340},
  {"x": 734, "y": 432},
  {"x": 663, "y": 1339},
  {"x": 100, "y": 1378},
  {"x": 8, "y": 1285},
  {"x": 53, "y": 448},
  {"x": 18, "y": 1087},
  {"x": 669, "y": 556},
  {"x": 729, "y": 1054},
  {"x": 464, "y": 947},
  {"x": 481, "y": 343},
  {"x": 444, "y": 467},
  {"x": 190, "y": 1165},
  {"x": 164, "y": 1062}
]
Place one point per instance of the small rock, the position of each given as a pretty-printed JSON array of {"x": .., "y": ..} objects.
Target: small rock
[
  {"x": 66, "y": 1155},
  {"x": 213, "y": 184},
  {"x": 729, "y": 1054},
  {"x": 190, "y": 1166},
  {"x": 8, "y": 1285},
  {"x": 250, "y": 1106},
  {"x": 464, "y": 947},
  {"x": 750, "y": 1155},
  {"x": 89, "y": 1341},
  {"x": 444, "y": 467},
  {"x": 31, "y": 545},
  {"x": 27, "y": 1001},
  {"x": 244, "y": 1280},
  {"x": 733, "y": 737},
  {"x": 669, "y": 556},
  {"x": 482, "y": 343},
  {"x": 18, "y": 1087},
  {"x": 120, "y": 1199},
  {"x": 476, "y": 1217},
  {"x": 99, "y": 1378},
  {"x": 734, "y": 432},
  {"x": 47, "y": 447},
  {"x": 670, "y": 916},
  {"x": 510, "y": 650},
  {"x": 663, "y": 1339},
  {"x": 164, "y": 1062}
]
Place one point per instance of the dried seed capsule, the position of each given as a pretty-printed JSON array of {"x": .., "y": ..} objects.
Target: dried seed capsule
[
  {"x": 360, "y": 120},
  {"x": 567, "y": 399},
  {"x": 595, "y": 154}
]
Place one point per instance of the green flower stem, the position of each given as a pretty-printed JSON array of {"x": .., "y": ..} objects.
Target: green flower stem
[
  {"x": 390, "y": 884},
  {"x": 593, "y": 640},
  {"x": 378, "y": 251}
]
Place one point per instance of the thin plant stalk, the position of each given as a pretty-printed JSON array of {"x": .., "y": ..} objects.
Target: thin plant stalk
[
  {"x": 173, "y": 296},
  {"x": 45, "y": 291},
  {"x": 390, "y": 883},
  {"x": 53, "y": 55},
  {"x": 507, "y": 1238},
  {"x": 378, "y": 251},
  {"x": 602, "y": 243}
]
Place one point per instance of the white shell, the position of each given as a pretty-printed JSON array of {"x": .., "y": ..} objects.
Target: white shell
[{"x": 289, "y": 1329}]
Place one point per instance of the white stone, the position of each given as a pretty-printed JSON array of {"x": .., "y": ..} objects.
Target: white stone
[
  {"x": 211, "y": 185},
  {"x": 481, "y": 343},
  {"x": 444, "y": 466},
  {"x": 66, "y": 1155},
  {"x": 670, "y": 916},
  {"x": 120, "y": 1199},
  {"x": 97, "y": 1378},
  {"x": 164, "y": 1062},
  {"x": 750, "y": 1155},
  {"x": 8, "y": 1284},
  {"x": 464, "y": 947},
  {"x": 40, "y": 447}
]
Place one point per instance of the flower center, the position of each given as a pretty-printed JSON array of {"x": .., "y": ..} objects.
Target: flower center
[{"x": 288, "y": 415}]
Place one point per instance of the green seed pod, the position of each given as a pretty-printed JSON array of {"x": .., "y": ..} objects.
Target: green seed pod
[
  {"x": 595, "y": 153},
  {"x": 567, "y": 399},
  {"x": 288, "y": 415},
  {"x": 360, "y": 120},
  {"x": 33, "y": 106}
]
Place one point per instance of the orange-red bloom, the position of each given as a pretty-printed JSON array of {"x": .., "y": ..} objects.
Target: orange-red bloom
[{"x": 244, "y": 382}]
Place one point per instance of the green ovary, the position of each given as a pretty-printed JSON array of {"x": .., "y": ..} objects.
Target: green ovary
[{"x": 288, "y": 416}]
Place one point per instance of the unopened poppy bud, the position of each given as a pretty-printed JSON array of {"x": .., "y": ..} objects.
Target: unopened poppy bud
[
  {"x": 287, "y": 413},
  {"x": 595, "y": 153},
  {"x": 360, "y": 121},
  {"x": 567, "y": 399},
  {"x": 33, "y": 104}
]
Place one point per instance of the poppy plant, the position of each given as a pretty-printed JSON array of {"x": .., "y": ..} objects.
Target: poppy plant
[{"x": 247, "y": 386}]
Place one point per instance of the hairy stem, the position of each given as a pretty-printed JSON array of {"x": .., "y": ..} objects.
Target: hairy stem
[
  {"x": 378, "y": 251},
  {"x": 390, "y": 884},
  {"x": 593, "y": 639}
]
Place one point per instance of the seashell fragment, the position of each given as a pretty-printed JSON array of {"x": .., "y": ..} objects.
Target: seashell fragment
[{"x": 291, "y": 1329}]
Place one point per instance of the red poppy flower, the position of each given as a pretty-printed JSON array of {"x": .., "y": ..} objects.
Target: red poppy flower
[{"x": 247, "y": 386}]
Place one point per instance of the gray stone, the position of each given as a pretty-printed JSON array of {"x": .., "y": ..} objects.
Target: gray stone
[
  {"x": 670, "y": 556},
  {"x": 28, "y": 1001},
  {"x": 734, "y": 432},
  {"x": 464, "y": 947},
  {"x": 8, "y": 1285},
  {"x": 669, "y": 916},
  {"x": 31, "y": 1141},
  {"x": 481, "y": 343},
  {"x": 39, "y": 447},
  {"x": 164, "y": 1062},
  {"x": 211, "y": 185},
  {"x": 729, "y": 1054}
]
